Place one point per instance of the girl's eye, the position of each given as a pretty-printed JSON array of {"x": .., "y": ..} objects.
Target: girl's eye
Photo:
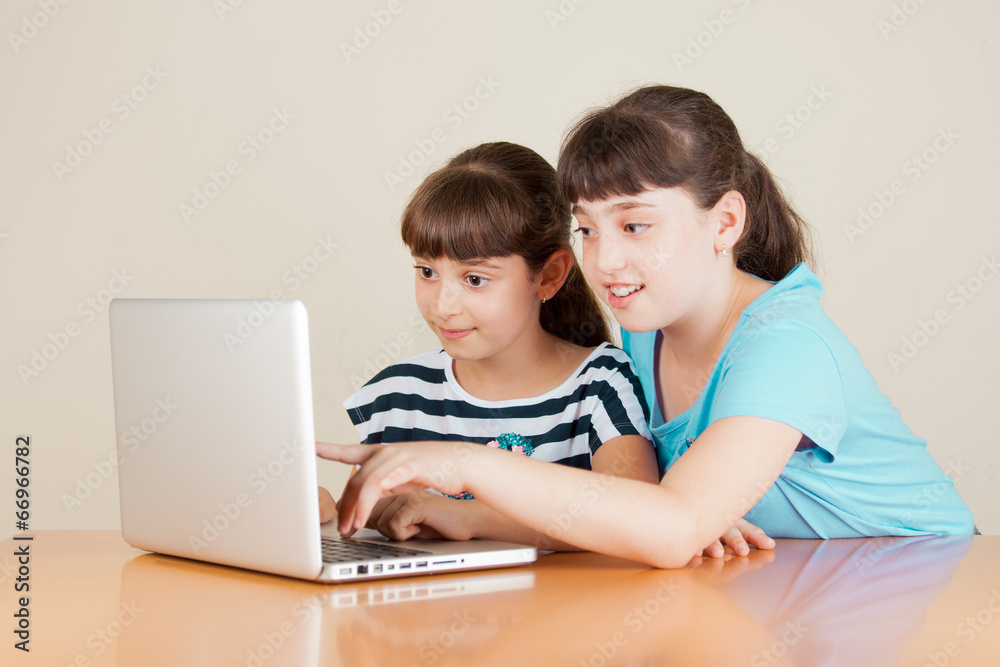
[
  {"x": 425, "y": 272},
  {"x": 635, "y": 227},
  {"x": 584, "y": 231},
  {"x": 476, "y": 281}
]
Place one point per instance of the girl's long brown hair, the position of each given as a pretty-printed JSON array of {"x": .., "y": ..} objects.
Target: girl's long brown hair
[{"x": 499, "y": 200}]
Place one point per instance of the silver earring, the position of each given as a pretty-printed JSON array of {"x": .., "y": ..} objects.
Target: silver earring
[{"x": 725, "y": 253}]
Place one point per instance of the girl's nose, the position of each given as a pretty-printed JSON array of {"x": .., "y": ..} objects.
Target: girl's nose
[
  {"x": 608, "y": 255},
  {"x": 446, "y": 301}
]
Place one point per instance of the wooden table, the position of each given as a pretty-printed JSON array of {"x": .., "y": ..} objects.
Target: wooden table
[{"x": 94, "y": 600}]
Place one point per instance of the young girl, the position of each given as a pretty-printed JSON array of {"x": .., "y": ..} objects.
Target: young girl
[
  {"x": 759, "y": 405},
  {"x": 525, "y": 364}
]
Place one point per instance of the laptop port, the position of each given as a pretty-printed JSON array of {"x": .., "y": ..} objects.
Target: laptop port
[
  {"x": 405, "y": 566},
  {"x": 345, "y": 570},
  {"x": 376, "y": 568},
  {"x": 362, "y": 569},
  {"x": 422, "y": 563}
]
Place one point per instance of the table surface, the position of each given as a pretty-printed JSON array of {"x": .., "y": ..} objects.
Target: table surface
[{"x": 94, "y": 600}]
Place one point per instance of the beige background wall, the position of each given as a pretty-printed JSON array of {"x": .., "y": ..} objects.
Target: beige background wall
[{"x": 885, "y": 106}]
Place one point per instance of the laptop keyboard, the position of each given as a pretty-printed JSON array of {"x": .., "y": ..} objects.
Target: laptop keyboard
[{"x": 346, "y": 550}]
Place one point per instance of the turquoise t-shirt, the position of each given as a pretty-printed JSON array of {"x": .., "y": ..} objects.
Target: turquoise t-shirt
[{"x": 862, "y": 472}]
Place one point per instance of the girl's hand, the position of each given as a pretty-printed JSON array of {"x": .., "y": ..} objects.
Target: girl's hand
[
  {"x": 424, "y": 514},
  {"x": 327, "y": 506},
  {"x": 740, "y": 537},
  {"x": 388, "y": 470}
]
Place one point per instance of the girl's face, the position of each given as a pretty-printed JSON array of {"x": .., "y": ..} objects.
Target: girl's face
[
  {"x": 649, "y": 256},
  {"x": 477, "y": 309}
]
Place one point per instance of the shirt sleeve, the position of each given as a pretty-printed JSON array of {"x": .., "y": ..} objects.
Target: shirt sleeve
[
  {"x": 360, "y": 407},
  {"x": 785, "y": 371},
  {"x": 620, "y": 408}
]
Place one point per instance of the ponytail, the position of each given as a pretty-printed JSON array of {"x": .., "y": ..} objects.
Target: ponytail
[{"x": 774, "y": 235}]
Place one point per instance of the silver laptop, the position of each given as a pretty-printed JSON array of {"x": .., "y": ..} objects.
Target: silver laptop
[{"x": 216, "y": 447}]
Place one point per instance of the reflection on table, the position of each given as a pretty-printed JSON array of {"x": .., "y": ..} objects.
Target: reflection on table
[{"x": 841, "y": 602}]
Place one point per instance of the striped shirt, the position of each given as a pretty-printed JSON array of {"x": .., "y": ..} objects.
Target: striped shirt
[{"x": 419, "y": 399}]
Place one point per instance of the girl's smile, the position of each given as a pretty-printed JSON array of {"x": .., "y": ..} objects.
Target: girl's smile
[
  {"x": 622, "y": 294},
  {"x": 455, "y": 334}
]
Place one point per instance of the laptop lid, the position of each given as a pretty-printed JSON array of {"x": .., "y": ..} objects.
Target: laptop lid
[{"x": 213, "y": 412}]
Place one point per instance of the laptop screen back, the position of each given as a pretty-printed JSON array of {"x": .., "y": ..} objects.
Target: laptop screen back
[{"x": 214, "y": 419}]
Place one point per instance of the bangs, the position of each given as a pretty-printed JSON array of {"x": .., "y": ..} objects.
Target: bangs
[
  {"x": 619, "y": 152},
  {"x": 466, "y": 214}
]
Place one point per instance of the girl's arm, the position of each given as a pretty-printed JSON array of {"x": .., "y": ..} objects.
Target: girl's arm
[
  {"x": 405, "y": 516},
  {"x": 724, "y": 473}
]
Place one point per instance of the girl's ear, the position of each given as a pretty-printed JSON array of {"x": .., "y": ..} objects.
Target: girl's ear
[
  {"x": 554, "y": 273},
  {"x": 731, "y": 213}
]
